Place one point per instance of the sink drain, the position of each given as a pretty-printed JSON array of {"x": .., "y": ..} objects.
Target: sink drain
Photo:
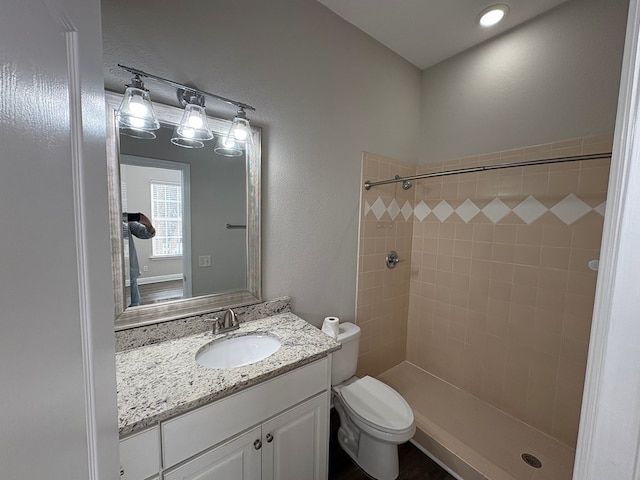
[{"x": 531, "y": 460}]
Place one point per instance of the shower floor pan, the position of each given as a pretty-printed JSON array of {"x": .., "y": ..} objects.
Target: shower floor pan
[{"x": 472, "y": 439}]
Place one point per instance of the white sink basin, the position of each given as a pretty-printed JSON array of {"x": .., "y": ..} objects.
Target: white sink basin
[{"x": 237, "y": 351}]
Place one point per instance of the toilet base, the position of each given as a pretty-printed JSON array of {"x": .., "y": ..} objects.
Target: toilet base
[{"x": 378, "y": 459}]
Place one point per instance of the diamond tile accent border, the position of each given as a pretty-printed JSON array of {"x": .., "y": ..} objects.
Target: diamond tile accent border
[
  {"x": 569, "y": 210},
  {"x": 467, "y": 210},
  {"x": 406, "y": 210},
  {"x": 421, "y": 211},
  {"x": 496, "y": 210},
  {"x": 530, "y": 209},
  {"x": 443, "y": 210},
  {"x": 378, "y": 208},
  {"x": 393, "y": 209},
  {"x": 601, "y": 208}
]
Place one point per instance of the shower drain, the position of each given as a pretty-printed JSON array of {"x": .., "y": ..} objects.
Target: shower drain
[{"x": 531, "y": 460}]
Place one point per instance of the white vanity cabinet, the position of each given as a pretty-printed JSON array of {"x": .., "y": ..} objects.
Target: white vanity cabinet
[
  {"x": 140, "y": 455},
  {"x": 238, "y": 459},
  {"x": 295, "y": 444},
  {"x": 292, "y": 445},
  {"x": 275, "y": 430}
]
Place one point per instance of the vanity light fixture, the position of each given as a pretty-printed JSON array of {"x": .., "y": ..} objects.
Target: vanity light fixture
[
  {"x": 240, "y": 128},
  {"x": 135, "y": 115},
  {"x": 193, "y": 130},
  {"x": 231, "y": 145},
  {"x": 228, "y": 147},
  {"x": 492, "y": 15}
]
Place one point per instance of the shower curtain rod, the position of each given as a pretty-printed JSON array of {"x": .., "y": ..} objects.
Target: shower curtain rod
[{"x": 406, "y": 184}]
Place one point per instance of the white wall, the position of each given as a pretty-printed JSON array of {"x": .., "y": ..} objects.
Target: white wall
[
  {"x": 58, "y": 417},
  {"x": 609, "y": 439},
  {"x": 218, "y": 197},
  {"x": 555, "y": 77},
  {"x": 324, "y": 92}
]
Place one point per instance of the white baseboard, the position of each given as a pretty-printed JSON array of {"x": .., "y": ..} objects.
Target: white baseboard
[{"x": 157, "y": 279}]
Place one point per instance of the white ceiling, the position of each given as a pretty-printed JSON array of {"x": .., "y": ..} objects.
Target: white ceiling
[{"x": 426, "y": 32}]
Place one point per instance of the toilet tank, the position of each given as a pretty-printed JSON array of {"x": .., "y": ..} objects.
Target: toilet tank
[{"x": 345, "y": 360}]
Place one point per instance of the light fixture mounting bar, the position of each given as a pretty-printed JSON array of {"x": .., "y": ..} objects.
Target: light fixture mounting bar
[{"x": 136, "y": 71}]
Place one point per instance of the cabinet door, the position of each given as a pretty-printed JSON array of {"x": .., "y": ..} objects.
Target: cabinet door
[
  {"x": 295, "y": 443},
  {"x": 238, "y": 459},
  {"x": 140, "y": 455}
]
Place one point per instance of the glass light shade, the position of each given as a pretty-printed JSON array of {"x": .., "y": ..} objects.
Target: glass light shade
[
  {"x": 136, "y": 133},
  {"x": 228, "y": 147},
  {"x": 185, "y": 142},
  {"x": 240, "y": 129},
  {"x": 136, "y": 113},
  {"x": 194, "y": 125}
]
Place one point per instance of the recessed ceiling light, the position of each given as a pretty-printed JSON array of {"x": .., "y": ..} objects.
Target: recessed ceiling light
[{"x": 492, "y": 15}]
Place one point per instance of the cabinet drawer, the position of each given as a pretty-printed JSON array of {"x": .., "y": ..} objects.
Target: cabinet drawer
[
  {"x": 195, "y": 431},
  {"x": 140, "y": 455}
]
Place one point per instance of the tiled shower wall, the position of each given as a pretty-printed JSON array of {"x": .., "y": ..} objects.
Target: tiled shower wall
[
  {"x": 501, "y": 295},
  {"x": 383, "y": 294}
]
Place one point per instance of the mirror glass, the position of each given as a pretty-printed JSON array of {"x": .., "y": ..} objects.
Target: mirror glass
[{"x": 185, "y": 222}]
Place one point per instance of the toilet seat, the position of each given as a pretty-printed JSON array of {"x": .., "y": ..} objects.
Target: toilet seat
[{"x": 378, "y": 405}]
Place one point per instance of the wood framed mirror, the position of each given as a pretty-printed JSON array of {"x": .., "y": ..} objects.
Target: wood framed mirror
[{"x": 213, "y": 239}]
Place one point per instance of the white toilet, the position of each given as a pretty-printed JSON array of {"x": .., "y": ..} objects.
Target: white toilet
[{"x": 374, "y": 418}]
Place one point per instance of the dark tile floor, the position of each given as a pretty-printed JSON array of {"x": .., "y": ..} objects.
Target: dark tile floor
[{"x": 414, "y": 465}]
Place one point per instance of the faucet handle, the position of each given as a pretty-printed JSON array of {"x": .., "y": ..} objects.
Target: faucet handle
[{"x": 216, "y": 324}]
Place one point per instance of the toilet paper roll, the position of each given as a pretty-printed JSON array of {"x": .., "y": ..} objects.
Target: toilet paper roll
[{"x": 330, "y": 326}]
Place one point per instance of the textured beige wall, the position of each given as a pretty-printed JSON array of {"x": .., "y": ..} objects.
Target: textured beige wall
[{"x": 501, "y": 296}]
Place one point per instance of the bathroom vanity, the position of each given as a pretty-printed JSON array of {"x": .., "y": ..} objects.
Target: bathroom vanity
[
  {"x": 180, "y": 417},
  {"x": 267, "y": 420}
]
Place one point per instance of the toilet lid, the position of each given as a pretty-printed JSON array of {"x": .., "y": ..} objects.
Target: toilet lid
[{"x": 377, "y": 404}]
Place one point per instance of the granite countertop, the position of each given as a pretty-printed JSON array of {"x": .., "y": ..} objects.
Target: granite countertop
[{"x": 159, "y": 381}]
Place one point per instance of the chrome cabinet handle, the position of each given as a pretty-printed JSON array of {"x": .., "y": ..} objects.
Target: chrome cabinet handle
[
  {"x": 257, "y": 444},
  {"x": 269, "y": 438}
]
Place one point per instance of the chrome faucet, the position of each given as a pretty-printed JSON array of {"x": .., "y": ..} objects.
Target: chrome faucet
[
  {"x": 230, "y": 321},
  {"x": 227, "y": 323}
]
